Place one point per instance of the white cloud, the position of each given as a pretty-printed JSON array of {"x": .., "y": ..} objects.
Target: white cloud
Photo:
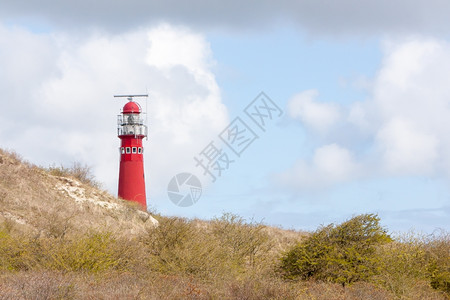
[
  {"x": 69, "y": 114},
  {"x": 410, "y": 109},
  {"x": 319, "y": 116},
  {"x": 330, "y": 164},
  {"x": 403, "y": 125},
  {"x": 407, "y": 150},
  {"x": 170, "y": 48}
]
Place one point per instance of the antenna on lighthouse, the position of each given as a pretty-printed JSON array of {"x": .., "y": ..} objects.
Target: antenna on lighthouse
[{"x": 130, "y": 96}]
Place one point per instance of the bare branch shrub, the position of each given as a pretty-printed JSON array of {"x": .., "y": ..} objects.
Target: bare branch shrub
[{"x": 83, "y": 173}]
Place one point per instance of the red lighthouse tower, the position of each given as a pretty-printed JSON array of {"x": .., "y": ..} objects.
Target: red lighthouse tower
[{"x": 131, "y": 130}]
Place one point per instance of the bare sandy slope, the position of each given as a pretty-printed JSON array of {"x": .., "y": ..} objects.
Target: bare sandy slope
[{"x": 37, "y": 202}]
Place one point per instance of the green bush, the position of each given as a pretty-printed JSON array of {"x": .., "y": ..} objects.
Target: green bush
[
  {"x": 438, "y": 255},
  {"x": 94, "y": 252},
  {"x": 404, "y": 266},
  {"x": 15, "y": 252},
  {"x": 342, "y": 253},
  {"x": 414, "y": 260}
]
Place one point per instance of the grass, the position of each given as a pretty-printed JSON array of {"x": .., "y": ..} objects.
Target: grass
[
  {"x": 42, "y": 202},
  {"x": 56, "y": 242},
  {"x": 78, "y": 171},
  {"x": 181, "y": 260}
]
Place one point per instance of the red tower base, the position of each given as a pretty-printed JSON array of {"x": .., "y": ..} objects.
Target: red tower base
[
  {"x": 131, "y": 173},
  {"x": 132, "y": 182}
]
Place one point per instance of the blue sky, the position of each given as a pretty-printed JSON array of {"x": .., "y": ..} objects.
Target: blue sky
[{"x": 364, "y": 90}]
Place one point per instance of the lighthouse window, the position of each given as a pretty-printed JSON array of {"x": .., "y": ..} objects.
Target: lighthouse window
[
  {"x": 134, "y": 149},
  {"x": 139, "y": 150},
  {"x": 133, "y": 118},
  {"x": 122, "y": 150},
  {"x": 128, "y": 150}
]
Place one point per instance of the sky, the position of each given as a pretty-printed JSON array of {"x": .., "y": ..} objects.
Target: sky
[{"x": 314, "y": 111}]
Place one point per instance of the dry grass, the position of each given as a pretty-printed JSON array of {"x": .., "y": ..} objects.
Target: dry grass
[
  {"x": 61, "y": 238},
  {"x": 40, "y": 203},
  {"x": 57, "y": 285}
]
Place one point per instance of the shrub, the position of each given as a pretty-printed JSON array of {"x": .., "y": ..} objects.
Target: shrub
[
  {"x": 93, "y": 252},
  {"x": 414, "y": 262},
  {"x": 244, "y": 243},
  {"x": 225, "y": 247},
  {"x": 15, "y": 252},
  {"x": 438, "y": 255},
  {"x": 78, "y": 171},
  {"x": 404, "y": 266},
  {"x": 342, "y": 254},
  {"x": 177, "y": 246}
]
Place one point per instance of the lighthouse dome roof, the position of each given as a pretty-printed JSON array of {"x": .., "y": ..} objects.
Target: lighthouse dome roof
[{"x": 131, "y": 107}]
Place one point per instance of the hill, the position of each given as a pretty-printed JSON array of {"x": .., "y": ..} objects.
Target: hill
[
  {"x": 54, "y": 202},
  {"x": 61, "y": 237}
]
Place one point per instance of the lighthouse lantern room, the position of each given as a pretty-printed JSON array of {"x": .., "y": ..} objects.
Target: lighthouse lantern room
[{"x": 131, "y": 130}]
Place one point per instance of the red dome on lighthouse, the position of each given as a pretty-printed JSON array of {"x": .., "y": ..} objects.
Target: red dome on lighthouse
[{"x": 131, "y": 107}]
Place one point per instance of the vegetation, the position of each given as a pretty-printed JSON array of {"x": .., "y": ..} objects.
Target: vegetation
[
  {"x": 360, "y": 250},
  {"x": 225, "y": 258},
  {"x": 78, "y": 171},
  {"x": 58, "y": 243},
  {"x": 344, "y": 254}
]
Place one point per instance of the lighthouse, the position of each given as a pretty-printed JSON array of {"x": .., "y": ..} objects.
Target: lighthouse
[{"x": 131, "y": 130}]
